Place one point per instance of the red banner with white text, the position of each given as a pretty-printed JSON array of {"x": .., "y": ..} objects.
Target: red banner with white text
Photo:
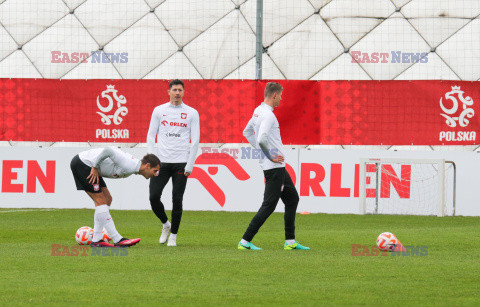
[{"x": 311, "y": 112}]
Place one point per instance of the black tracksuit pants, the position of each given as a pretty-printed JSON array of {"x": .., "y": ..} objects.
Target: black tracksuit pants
[
  {"x": 278, "y": 185},
  {"x": 157, "y": 183}
]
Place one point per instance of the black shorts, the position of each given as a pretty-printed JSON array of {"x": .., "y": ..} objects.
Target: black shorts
[{"x": 80, "y": 173}]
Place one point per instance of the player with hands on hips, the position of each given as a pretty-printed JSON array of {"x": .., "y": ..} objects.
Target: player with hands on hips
[{"x": 263, "y": 131}]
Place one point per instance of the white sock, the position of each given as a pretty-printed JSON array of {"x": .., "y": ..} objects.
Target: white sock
[
  {"x": 105, "y": 219},
  {"x": 167, "y": 224},
  {"x": 98, "y": 223},
  {"x": 244, "y": 242},
  {"x": 290, "y": 242},
  {"x": 173, "y": 236}
]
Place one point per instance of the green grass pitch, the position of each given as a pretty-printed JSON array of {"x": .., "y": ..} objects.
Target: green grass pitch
[{"x": 207, "y": 269}]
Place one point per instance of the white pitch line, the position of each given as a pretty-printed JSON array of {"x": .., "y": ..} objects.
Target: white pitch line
[{"x": 19, "y": 210}]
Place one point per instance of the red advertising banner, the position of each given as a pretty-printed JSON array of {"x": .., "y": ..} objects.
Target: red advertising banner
[{"x": 311, "y": 112}]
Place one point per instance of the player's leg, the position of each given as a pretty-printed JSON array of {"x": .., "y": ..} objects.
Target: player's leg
[
  {"x": 273, "y": 186},
  {"x": 108, "y": 196},
  {"x": 290, "y": 198},
  {"x": 102, "y": 216},
  {"x": 80, "y": 173},
  {"x": 103, "y": 219},
  {"x": 157, "y": 184},
  {"x": 179, "y": 181}
]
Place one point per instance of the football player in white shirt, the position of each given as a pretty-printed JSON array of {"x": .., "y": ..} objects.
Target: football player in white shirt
[
  {"x": 89, "y": 167},
  {"x": 263, "y": 131},
  {"x": 175, "y": 127}
]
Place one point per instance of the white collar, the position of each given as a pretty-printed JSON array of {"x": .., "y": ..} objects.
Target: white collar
[
  {"x": 266, "y": 105},
  {"x": 174, "y": 106}
]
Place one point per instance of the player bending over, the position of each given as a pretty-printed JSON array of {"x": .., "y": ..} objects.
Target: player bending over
[{"x": 88, "y": 168}]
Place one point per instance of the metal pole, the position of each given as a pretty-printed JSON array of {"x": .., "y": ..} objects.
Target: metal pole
[
  {"x": 454, "y": 185},
  {"x": 259, "y": 44}
]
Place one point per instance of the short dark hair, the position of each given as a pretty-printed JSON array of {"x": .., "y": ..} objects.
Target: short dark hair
[
  {"x": 271, "y": 88},
  {"x": 176, "y": 82},
  {"x": 152, "y": 159}
]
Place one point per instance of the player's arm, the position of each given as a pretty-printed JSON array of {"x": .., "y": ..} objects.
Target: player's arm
[
  {"x": 152, "y": 132},
  {"x": 265, "y": 126},
  {"x": 107, "y": 152},
  {"x": 249, "y": 133},
  {"x": 195, "y": 139}
]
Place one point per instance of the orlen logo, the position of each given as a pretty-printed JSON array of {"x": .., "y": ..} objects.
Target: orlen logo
[
  {"x": 173, "y": 124},
  {"x": 453, "y": 114},
  {"x": 313, "y": 177},
  {"x": 110, "y": 94},
  {"x": 207, "y": 181},
  {"x": 20, "y": 177},
  {"x": 233, "y": 166}
]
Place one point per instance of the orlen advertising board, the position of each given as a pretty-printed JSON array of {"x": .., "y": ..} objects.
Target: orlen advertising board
[{"x": 222, "y": 180}]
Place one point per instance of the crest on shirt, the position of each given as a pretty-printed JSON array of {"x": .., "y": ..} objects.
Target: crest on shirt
[
  {"x": 184, "y": 115},
  {"x": 109, "y": 99}
]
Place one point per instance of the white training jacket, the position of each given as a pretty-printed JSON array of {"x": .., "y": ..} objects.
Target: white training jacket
[
  {"x": 263, "y": 132},
  {"x": 173, "y": 127},
  {"x": 111, "y": 162}
]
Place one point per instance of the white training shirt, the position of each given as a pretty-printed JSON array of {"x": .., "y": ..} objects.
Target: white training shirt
[
  {"x": 265, "y": 122},
  {"x": 111, "y": 162},
  {"x": 173, "y": 127}
]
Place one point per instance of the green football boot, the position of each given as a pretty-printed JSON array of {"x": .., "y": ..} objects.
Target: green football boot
[
  {"x": 249, "y": 245},
  {"x": 295, "y": 245}
]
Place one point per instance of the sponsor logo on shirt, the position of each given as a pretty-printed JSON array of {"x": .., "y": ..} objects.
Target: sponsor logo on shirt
[
  {"x": 174, "y": 124},
  {"x": 173, "y": 135},
  {"x": 184, "y": 115}
]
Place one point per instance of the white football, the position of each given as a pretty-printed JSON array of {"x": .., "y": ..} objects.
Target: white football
[
  {"x": 84, "y": 235},
  {"x": 387, "y": 241}
]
